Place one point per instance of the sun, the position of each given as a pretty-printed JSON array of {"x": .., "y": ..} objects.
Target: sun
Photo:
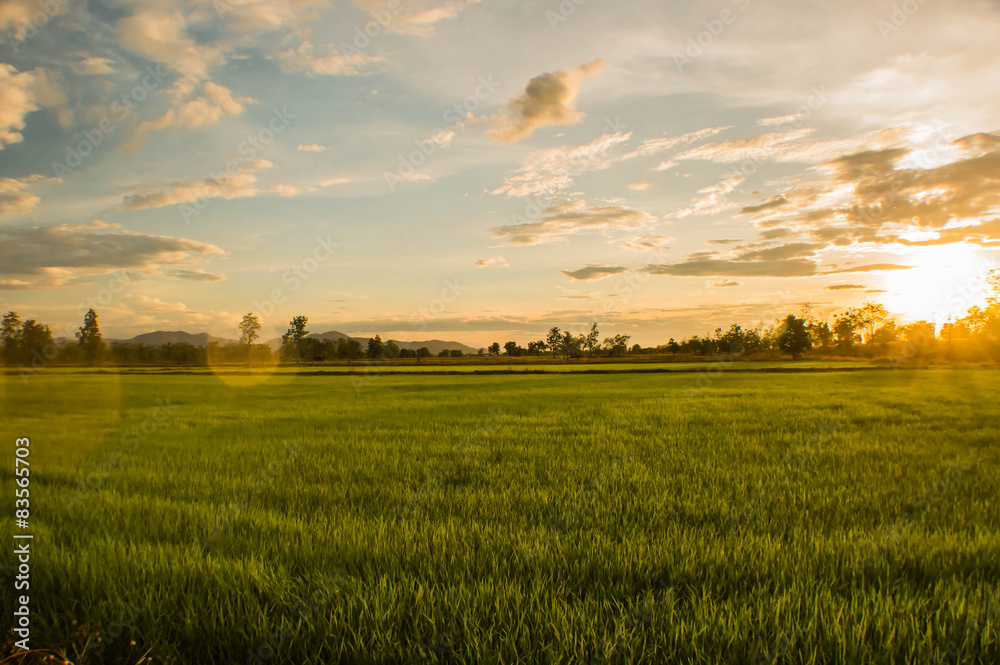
[{"x": 945, "y": 281}]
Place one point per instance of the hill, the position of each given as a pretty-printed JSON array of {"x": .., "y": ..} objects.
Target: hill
[
  {"x": 434, "y": 345},
  {"x": 173, "y": 337}
]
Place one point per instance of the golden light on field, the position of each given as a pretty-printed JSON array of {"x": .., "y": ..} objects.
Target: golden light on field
[{"x": 945, "y": 281}]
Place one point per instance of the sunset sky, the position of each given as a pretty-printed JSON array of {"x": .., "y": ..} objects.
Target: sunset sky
[{"x": 481, "y": 171}]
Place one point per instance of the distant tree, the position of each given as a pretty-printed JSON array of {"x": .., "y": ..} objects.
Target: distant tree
[
  {"x": 424, "y": 352},
  {"x": 571, "y": 344},
  {"x": 887, "y": 334},
  {"x": 37, "y": 345},
  {"x": 846, "y": 332},
  {"x": 536, "y": 348},
  {"x": 375, "y": 348},
  {"x": 616, "y": 346},
  {"x": 89, "y": 335},
  {"x": 867, "y": 319},
  {"x": 554, "y": 340},
  {"x": 636, "y": 349},
  {"x": 10, "y": 336},
  {"x": 593, "y": 340},
  {"x": 495, "y": 349},
  {"x": 482, "y": 352},
  {"x": 510, "y": 348},
  {"x": 249, "y": 332},
  {"x": 820, "y": 333},
  {"x": 293, "y": 340},
  {"x": 673, "y": 346},
  {"x": 794, "y": 338},
  {"x": 444, "y": 353},
  {"x": 456, "y": 353},
  {"x": 391, "y": 349}
]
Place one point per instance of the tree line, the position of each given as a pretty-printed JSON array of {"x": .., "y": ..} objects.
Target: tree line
[{"x": 867, "y": 330}]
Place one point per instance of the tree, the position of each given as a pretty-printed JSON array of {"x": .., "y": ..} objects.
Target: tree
[
  {"x": 617, "y": 345},
  {"x": 423, "y": 352},
  {"x": 554, "y": 340},
  {"x": 510, "y": 348},
  {"x": 537, "y": 347},
  {"x": 391, "y": 349},
  {"x": 845, "y": 330},
  {"x": 375, "y": 348},
  {"x": 36, "y": 343},
  {"x": 673, "y": 346},
  {"x": 293, "y": 340},
  {"x": 11, "y": 337},
  {"x": 495, "y": 349},
  {"x": 571, "y": 344},
  {"x": 249, "y": 328},
  {"x": 794, "y": 338},
  {"x": 89, "y": 335},
  {"x": 592, "y": 340},
  {"x": 456, "y": 353},
  {"x": 868, "y": 318}
]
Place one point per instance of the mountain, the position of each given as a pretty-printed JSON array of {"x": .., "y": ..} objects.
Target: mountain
[
  {"x": 434, "y": 345},
  {"x": 174, "y": 337}
]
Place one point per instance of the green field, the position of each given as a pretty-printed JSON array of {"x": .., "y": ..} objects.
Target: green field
[{"x": 842, "y": 517}]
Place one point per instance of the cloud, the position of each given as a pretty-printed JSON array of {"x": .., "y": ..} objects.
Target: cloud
[
  {"x": 15, "y": 199},
  {"x": 231, "y": 185},
  {"x": 593, "y": 271},
  {"x": 312, "y": 147},
  {"x": 844, "y": 287},
  {"x": 640, "y": 186},
  {"x": 643, "y": 243},
  {"x": 332, "y": 63},
  {"x": 722, "y": 241},
  {"x": 871, "y": 267},
  {"x": 724, "y": 283},
  {"x": 907, "y": 196},
  {"x": 214, "y": 103},
  {"x": 334, "y": 181},
  {"x": 776, "y": 202},
  {"x": 197, "y": 275},
  {"x": 95, "y": 65},
  {"x": 49, "y": 256},
  {"x": 548, "y": 100},
  {"x": 571, "y": 218},
  {"x": 660, "y": 144},
  {"x": 414, "y": 17},
  {"x": 552, "y": 170},
  {"x": 144, "y": 303},
  {"x": 704, "y": 267},
  {"x": 20, "y": 94},
  {"x": 494, "y": 262},
  {"x": 782, "y": 120}
]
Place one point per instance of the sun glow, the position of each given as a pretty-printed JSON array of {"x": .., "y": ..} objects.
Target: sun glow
[{"x": 945, "y": 281}]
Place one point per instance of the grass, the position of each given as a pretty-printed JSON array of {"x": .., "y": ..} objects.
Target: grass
[{"x": 722, "y": 518}]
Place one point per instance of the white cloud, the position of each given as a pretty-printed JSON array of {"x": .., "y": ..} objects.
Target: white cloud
[{"x": 494, "y": 262}]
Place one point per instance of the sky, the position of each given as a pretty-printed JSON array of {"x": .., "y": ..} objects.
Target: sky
[{"x": 481, "y": 171}]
